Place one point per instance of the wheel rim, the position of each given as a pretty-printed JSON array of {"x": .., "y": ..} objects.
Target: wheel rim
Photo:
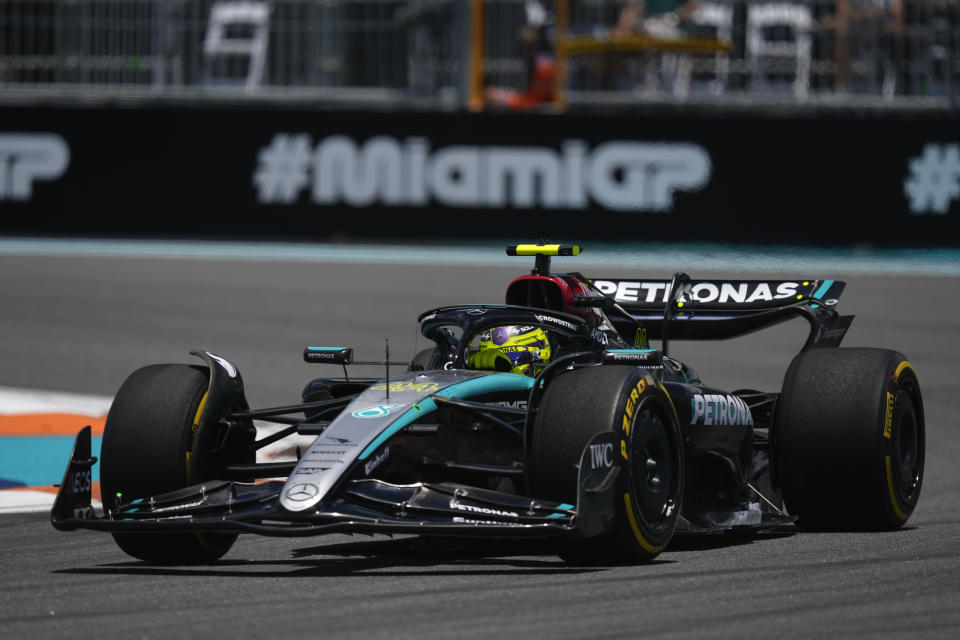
[
  {"x": 907, "y": 445},
  {"x": 654, "y": 474}
]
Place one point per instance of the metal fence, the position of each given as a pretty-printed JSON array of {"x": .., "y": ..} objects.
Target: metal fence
[{"x": 476, "y": 54}]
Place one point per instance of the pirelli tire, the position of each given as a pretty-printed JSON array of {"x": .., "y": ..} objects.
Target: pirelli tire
[
  {"x": 146, "y": 448},
  {"x": 848, "y": 439},
  {"x": 582, "y": 403}
]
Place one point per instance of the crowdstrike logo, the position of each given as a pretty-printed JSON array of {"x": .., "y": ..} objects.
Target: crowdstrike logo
[
  {"x": 619, "y": 175},
  {"x": 28, "y": 157}
]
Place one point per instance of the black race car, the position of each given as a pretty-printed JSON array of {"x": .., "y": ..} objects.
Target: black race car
[{"x": 606, "y": 447}]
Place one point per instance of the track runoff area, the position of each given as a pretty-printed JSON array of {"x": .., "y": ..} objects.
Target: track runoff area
[{"x": 78, "y": 324}]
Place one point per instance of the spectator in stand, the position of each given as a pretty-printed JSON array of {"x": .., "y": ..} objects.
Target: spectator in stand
[
  {"x": 657, "y": 19},
  {"x": 535, "y": 38},
  {"x": 661, "y": 18},
  {"x": 863, "y": 30}
]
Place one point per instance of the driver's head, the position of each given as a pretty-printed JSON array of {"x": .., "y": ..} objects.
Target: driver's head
[{"x": 511, "y": 348}]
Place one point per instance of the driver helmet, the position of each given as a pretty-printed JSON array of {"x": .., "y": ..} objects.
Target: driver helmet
[{"x": 516, "y": 347}]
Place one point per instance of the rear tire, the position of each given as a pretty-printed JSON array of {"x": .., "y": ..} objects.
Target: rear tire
[
  {"x": 578, "y": 405},
  {"x": 145, "y": 451},
  {"x": 848, "y": 439}
]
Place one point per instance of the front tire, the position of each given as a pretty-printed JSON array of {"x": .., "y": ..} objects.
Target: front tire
[
  {"x": 848, "y": 439},
  {"x": 578, "y": 405},
  {"x": 146, "y": 448}
]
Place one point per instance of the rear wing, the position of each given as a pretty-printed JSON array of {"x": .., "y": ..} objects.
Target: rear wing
[
  {"x": 681, "y": 307},
  {"x": 717, "y": 309}
]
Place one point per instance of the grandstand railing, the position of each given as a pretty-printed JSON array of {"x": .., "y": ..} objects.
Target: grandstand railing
[{"x": 483, "y": 54}]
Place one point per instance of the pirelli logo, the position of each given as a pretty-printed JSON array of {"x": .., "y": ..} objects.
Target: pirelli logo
[{"x": 888, "y": 418}]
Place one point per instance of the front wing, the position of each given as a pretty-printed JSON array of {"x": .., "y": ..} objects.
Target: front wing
[{"x": 360, "y": 506}]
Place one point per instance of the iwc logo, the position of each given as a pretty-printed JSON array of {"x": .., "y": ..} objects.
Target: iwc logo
[{"x": 302, "y": 492}]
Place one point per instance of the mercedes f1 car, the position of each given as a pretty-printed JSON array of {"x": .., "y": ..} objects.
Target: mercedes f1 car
[{"x": 580, "y": 433}]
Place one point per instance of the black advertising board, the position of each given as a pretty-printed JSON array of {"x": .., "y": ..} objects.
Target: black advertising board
[{"x": 313, "y": 174}]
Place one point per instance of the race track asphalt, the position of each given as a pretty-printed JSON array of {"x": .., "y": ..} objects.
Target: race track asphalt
[{"x": 82, "y": 324}]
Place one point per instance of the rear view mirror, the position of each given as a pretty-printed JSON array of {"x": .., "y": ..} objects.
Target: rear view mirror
[{"x": 328, "y": 355}]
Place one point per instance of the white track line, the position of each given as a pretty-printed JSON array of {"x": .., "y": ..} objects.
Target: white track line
[{"x": 651, "y": 256}]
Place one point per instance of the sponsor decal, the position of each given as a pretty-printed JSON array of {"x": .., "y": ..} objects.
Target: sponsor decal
[
  {"x": 375, "y": 462},
  {"x": 484, "y": 510},
  {"x": 556, "y": 321},
  {"x": 379, "y": 411},
  {"x": 719, "y": 409},
  {"x": 419, "y": 387},
  {"x": 341, "y": 442},
  {"x": 640, "y": 340},
  {"x": 601, "y": 456},
  {"x": 599, "y": 336},
  {"x": 310, "y": 470},
  {"x": 79, "y": 482},
  {"x": 476, "y": 312},
  {"x": 829, "y": 334},
  {"x": 627, "y": 418},
  {"x": 619, "y": 175},
  {"x": 720, "y": 292},
  {"x": 29, "y": 157},
  {"x": 644, "y": 357},
  {"x": 510, "y": 404},
  {"x": 499, "y": 523},
  {"x": 301, "y": 492},
  {"x": 888, "y": 418},
  {"x": 176, "y": 507}
]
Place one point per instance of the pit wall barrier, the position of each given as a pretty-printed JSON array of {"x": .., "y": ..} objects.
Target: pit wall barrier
[{"x": 269, "y": 172}]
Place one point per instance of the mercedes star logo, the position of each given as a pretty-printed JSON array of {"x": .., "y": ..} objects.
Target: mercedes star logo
[{"x": 302, "y": 492}]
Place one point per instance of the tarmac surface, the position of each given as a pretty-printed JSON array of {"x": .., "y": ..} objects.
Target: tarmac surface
[{"x": 82, "y": 324}]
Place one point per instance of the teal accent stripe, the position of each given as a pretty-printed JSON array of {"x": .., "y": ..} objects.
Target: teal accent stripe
[
  {"x": 326, "y": 348},
  {"x": 564, "y": 506},
  {"x": 459, "y": 390},
  {"x": 822, "y": 291}
]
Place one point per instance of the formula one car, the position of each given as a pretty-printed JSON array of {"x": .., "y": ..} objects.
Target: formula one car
[{"x": 549, "y": 416}]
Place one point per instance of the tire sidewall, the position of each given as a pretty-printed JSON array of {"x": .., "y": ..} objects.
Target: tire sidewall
[
  {"x": 902, "y": 388},
  {"x": 646, "y": 536},
  {"x": 578, "y": 405},
  {"x": 837, "y": 433}
]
